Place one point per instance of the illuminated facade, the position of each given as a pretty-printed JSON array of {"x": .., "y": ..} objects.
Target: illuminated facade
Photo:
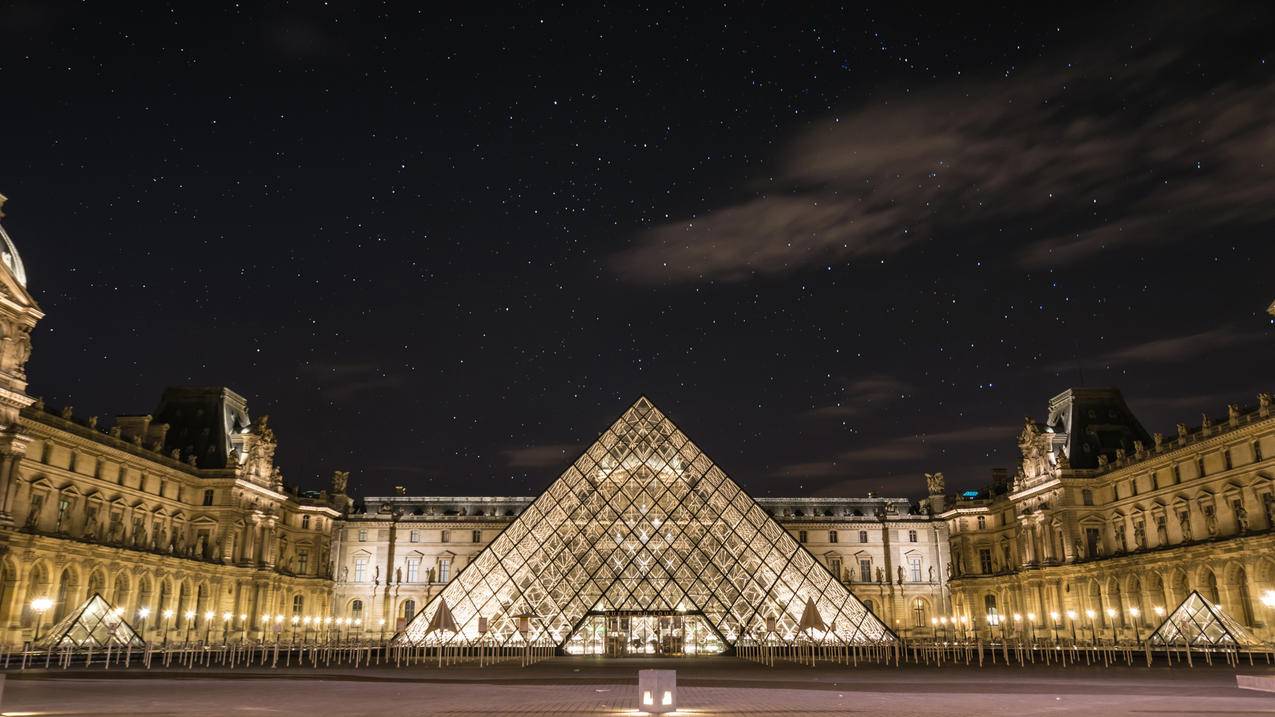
[
  {"x": 180, "y": 517},
  {"x": 1114, "y": 526}
]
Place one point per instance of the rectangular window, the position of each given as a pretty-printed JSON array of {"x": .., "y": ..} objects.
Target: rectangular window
[
  {"x": 303, "y": 561},
  {"x": 305, "y": 522},
  {"x": 444, "y": 567},
  {"x": 834, "y": 566},
  {"x": 208, "y": 497},
  {"x": 1199, "y": 467},
  {"x": 360, "y": 569},
  {"x": 1093, "y": 540},
  {"x": 863, "y": 536},
  {"x": 1177, "y": 474},
  {"x": 362, "y": 535},
  {"x": 1133, "y": 486},
  {"x": 914, "y": 564},
  {"x": 911, "y": 536},
  {"x": 985, "y": 560},
  {"x": 865, "y": 570},
  {"x": 982, "y": 523},
  {"x": 832, "y": 536},
  {"x": 414, "y": 536},
  {"x": 1257, "y": 451},
  {"x": 1226, "y": 458},
  {"x": 477, "y": 536},
  {"x": 413, "y": 569},
  {"x": 801, "y": 536},
  {"x": 64, "y": 506},
  {"x": 445, "y": 537}
]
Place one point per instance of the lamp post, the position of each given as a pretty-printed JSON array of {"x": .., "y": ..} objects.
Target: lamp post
[
  {"x": 167, "y": 614},
  {"x": 1137, "y": 635},
  {"x": 190, "y": 622},
  {"x": 39, "y": 606},
  {"x": 142, "y": 614},
  {"x": 226, "y": 618},
  {"x": 1055, "y": 617},
  {"x": 1111, "y": 618},
  {"x": 1018, "y": 625},
  {"x": 243, "y": 627},
  {"x": 934, "y": 628},
  {"x": 1071, "y": 617},
  {"x": 381, "y": 624},
  {"x": 208, "y": 617},
  {"x": 1031, "y": 627},
  {"x": 1093, "y": 632}
]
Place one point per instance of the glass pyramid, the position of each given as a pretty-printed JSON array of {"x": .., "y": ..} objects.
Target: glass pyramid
[
  {"x": 644, "y": 523},
  {"x": 1196, "y": 623},
  {"x": 93, "y": 624}
]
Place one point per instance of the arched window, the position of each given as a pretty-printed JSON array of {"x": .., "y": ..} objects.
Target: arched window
[
  {"x": 982, "y": 522},
  {"x": 993, "y": 615},
  {"x": 832, "y": 536},
  {"x": 1241, "y": 593},
  {"x": 868, "y": 604},
  {"x": 298, "y": 605},
  {"x": 356, "y": 609},
  {"x": 409, "y": 610},
  {"x": 919, "y": 616},
  {"x": 65, "y": 595}
]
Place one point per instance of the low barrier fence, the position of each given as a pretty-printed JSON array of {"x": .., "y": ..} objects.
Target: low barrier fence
[{"x": 355, "y": 654}]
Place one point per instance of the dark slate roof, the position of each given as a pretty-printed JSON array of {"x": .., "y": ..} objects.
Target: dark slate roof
[
  {"x": 1096, "y": 421},
  {"x": 201, "y": 422}
]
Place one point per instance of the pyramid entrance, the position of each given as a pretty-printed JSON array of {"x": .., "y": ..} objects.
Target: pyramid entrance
[{"x": 644, "y": 546}]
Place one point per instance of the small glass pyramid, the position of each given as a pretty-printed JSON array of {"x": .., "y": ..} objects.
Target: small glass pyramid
[
  {"x": 94, "y": 624},
  {"x": 645, "y": 524},
  {"x": 1196, "y": 623}
]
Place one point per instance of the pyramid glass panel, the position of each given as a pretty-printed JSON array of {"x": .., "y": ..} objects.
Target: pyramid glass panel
[
  {"x": 644, "y": 546},
  {"x": 1196, "y": 623},
  {"x": 94, "y": 624}
]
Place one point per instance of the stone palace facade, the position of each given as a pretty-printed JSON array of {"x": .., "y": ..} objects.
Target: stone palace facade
[
  {"x": 1103, "y": 518},
  {"x": 182, "y": 519}
]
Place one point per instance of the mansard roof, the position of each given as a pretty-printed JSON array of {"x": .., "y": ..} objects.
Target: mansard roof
[
  {"x": 203, "y": 421},
  {"x": 1095, "y": 421}
]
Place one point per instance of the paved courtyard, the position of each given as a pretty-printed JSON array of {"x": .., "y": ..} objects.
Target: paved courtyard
[{"x": 565, "y": 686}]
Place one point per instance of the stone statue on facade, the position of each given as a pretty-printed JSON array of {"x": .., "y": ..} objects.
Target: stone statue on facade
[
  {"x": 1241, "y": 516},
  {"x": 1121, "y": 539},
  {"x": 900, "y": 574},
  {"x": 1184, "y": 523},
  {"x": 936, "y": 484},
  {"x": 880, "y": 575},
  {"x": 1162, "y": 530},
  {"x": 1139, "y": 535},
  {"x": 1210, "y": 521},
  {"x": 340, "y": 479},
  {"x": 1182, "y": 433}
]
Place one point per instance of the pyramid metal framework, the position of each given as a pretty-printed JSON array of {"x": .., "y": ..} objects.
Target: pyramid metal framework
[
  {"x": 94, "y": 624},
  {"x": 1196, "y": 623},
  {"x": 644, "y": 522}
]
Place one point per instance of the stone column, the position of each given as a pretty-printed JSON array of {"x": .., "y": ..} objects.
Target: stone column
[
  {"x": 268, "y": 541},
  {"x": 13, "y": 447}
]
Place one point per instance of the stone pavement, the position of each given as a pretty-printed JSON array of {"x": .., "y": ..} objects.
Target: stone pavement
[{"x": 582, "y": 686}]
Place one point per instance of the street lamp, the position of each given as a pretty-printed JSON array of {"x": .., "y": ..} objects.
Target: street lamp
[
  {"x": 1111, "y": 618},
  {"x": 1137, "y": 636},
  {"x": 1054, "y": 617},
  {"x": 142, "y": 614},
  {"x": 226, "y": 618},
  {"x": 208, "y": 616},
  {"x": 40, "y": 606},
  {"x": 1031, "y": 627},
  {"x": 1268, "y": 598},
  {"x": 1071, "y": 617},
  {"x": 163, "y": 626},
  {"x": 1093, "y": 632}
]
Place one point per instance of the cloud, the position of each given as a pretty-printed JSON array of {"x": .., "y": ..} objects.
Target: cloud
[
  {"x": 899, "y": 449},
  {"x": 1168, "y": 350},
  {"x": 343, "y": 381},
  {"x": 547, "y": 456},
  {"x": 1178, "y": 348},
  {"x": 1107, "y": 148},
  {"x": 863, "y": 394},
  {"x": 920, "y": 445}
]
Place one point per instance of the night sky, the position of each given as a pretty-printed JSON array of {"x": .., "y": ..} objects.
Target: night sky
[{"x": 838, "y": 248}]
